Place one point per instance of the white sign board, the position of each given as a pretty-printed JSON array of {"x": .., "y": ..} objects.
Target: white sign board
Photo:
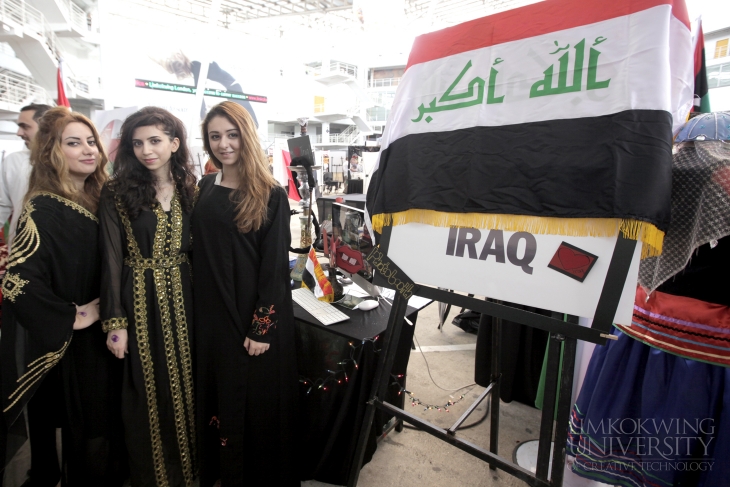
[{"x": 512, "y": 266}]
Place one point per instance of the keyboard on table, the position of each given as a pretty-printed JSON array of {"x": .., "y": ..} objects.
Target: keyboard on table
[{"x": 324, "y": 312}]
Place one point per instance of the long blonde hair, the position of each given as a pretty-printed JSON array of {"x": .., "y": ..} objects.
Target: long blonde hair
[
  {"x": 255, "y": 182},
  {"x": 50, "y": 170}
]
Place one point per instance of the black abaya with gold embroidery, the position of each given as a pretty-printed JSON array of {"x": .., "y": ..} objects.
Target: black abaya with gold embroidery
[
  {"x": 60, "y": 377},
  {"x": 246, "y": 404},
  {"x": 146, "y": 286}
]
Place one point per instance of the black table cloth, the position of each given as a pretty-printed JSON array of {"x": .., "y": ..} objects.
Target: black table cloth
[{"x": 336, "y": 367}]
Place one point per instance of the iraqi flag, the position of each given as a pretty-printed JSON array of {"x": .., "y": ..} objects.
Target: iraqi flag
[
  {"x": 314, "y": 279},
  {"x": 553, "y": 118}
]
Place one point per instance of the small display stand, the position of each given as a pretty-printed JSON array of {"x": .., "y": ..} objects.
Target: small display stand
[{"x": 557, "y": 381}]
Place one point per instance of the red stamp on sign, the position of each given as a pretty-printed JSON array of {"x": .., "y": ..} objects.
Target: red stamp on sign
[{"x": 572, "y": 261}]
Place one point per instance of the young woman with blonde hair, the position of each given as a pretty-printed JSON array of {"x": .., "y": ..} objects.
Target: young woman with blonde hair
[
  {"x": 244, "y": 326},
  {"x": 53, "y": 359}
]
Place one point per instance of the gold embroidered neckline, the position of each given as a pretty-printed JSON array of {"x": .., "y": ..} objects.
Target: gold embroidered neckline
[{"x": 69, "y": 203}]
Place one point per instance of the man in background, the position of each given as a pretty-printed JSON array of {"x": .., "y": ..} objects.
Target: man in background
[{"x": 15, "y": 170}]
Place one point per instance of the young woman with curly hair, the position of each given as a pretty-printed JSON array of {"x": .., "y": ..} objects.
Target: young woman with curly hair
[
  {"x": 244, "y": 323},
  {"x": 55, "y": 371},
  {"x": 146, "y": 294}
]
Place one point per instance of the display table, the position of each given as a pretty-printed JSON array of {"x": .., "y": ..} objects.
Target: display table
[{"x": 341, "y": 359}]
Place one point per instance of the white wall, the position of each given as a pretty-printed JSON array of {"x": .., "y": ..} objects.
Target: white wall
[
  {"x": 11, "y": 145},
  {"x": 720, "y": 99}
]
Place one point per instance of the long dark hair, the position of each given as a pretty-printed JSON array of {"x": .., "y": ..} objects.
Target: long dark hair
[
  {"x": 133, "y": 182},
  {"x": 255, "y": 182},
  {"x": 50, "y": 169}
]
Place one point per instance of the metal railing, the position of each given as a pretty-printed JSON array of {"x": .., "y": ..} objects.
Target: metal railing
[
  {"x": 345, "y": 68},
  {"x": 353, "y": 110},
  {"x": 273, "y": 136},
  {"x": 346, "y": 137},
  {"x": 76, "y": 15},
  {"x": 19, "y": 90},
  {"x": 30, "y": 18},
  {"x": 78, "y": 18},
  {"x": 80, "y": 84},
  {"x": 384, "y": 82},
  {"x": 6, "y": 49},
  {"x": 334, "y": 67}
]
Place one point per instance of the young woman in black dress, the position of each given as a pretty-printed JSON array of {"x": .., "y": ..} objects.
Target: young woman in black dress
[
  {"x": 244, "y": 325},
  {"x": 54, "y": 368},
  {"x": 146, "y": 294}
]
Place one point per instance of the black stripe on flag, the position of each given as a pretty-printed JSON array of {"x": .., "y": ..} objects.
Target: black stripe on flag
[{"x": 612, "y": 166}]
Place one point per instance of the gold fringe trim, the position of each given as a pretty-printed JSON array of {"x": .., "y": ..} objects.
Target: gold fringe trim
[{"x": 645, "y": 232}]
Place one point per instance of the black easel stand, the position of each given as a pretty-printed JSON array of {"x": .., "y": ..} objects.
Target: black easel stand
[{"x": 560, "y": 331}]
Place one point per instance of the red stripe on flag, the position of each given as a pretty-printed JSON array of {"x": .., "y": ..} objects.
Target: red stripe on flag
[
  {"x": 292, "y": 189},
  {"x": 529, "y": 21},
  {"x": 62, "y": 100}
]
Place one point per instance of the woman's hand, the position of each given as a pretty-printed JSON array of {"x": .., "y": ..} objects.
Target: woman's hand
[
  {"x": 116, "y": 342},
  {"x": 86, "y": 315},
  {"x": 255, "y": 348}
]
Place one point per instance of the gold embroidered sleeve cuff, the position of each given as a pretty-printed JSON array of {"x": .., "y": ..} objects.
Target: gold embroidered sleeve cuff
[{"x": 114, "y": 324}]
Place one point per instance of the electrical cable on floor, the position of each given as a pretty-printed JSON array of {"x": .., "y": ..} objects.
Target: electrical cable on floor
[
  {"x": 464, "y": 427},
  {"x": 472, "y": 385},
  {"x": 429, "y": 370}
]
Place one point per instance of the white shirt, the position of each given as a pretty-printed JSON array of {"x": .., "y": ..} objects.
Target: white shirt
[{"x": 14, "y": 176}]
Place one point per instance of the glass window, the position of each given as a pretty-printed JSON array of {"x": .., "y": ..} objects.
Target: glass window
[
  {"x": 724, "y": 78},
  {"x": 713, "y": 76},
  {"x": 718, "y": 75}
]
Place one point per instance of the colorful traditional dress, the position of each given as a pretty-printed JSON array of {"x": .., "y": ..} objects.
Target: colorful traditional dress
[
  {"x": 60, "y": 377},
  {"x": 654, "y": 408},
  {"x": 246, "y": 405},
  {"x": 146, "y": 288}
]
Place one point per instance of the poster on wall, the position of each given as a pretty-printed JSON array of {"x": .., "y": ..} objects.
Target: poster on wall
[
  {"x": 166, "y": 75},
  {"x": 109, "y": 124}
]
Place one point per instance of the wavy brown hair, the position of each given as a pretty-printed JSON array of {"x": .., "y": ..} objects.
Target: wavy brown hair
[
  {"x": 133, "y": 182},
  {"x": 50, "y": 170},
  {"x": 255, "y": 182}
]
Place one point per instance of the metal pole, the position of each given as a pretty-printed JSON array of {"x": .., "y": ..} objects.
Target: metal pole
[
  {"x": 380, "y": 381},
  {"x": 548, "y": 406},
  {"x": 496, "y": 380}
]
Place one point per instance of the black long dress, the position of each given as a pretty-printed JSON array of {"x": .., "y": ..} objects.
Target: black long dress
[
  {"x": 246, "y": 405},
  {"x": 61, "y": 377},
  {"x": 146, "y": 285}
]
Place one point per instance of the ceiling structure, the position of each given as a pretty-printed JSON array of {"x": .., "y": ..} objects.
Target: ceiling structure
[{"x": 333, "y": 14}]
